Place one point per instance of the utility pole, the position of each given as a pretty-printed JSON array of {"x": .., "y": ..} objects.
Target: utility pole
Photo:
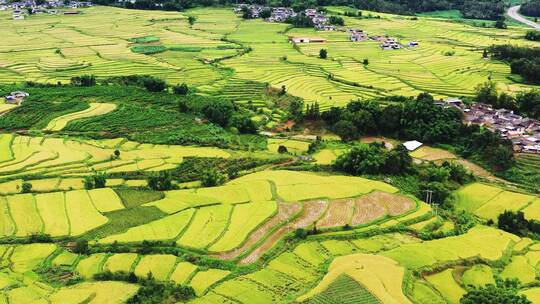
[{"x": 429, "y": 196}]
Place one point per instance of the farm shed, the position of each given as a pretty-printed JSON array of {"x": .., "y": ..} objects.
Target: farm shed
[
  {"x": 306, "y": 40},
  {"x": 412, "y": 145}
]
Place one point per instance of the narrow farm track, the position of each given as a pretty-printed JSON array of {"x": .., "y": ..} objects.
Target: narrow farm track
[{"x": 513, "y": 13}]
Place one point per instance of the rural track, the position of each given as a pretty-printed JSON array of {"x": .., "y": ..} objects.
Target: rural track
[{"x": 513, "y": 12}]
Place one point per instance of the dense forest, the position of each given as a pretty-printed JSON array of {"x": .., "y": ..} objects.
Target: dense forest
[
  {"x": 531, "y": 8},
  {"x": 477, "y": 9}
]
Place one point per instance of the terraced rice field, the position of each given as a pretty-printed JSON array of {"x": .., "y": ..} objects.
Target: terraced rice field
[
  {"x": 50, "y": 156},
  {"x": 489, "y": 201},
  {"x": 21, "y": 286},
  {"x": 57, "y": 213},
  {"x": 245, "y": 241},
  {"x": 85, "y": 44},
  {"x": 95, "y": 109},
  {"x": 229, "y": 220}
]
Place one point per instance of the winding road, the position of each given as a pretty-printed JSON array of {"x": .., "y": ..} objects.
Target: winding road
[{"x": 513, "y": 12}]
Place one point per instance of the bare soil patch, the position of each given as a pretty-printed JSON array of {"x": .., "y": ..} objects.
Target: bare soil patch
[{"x": 339, "y": 213}]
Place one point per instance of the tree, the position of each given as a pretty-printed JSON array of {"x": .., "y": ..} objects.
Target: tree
[
  {"x": 181, "y": 89},
  {"x": 399, "y": 161},
  {"x": 296, "y": 108},
  {"x": 336, "y": 20},
  {"x": 116, "y": 153},
  {"x": 219, "y": 112},
  {"x": 246, "y": 13},
  {"x": 390, "y": 119},
  {"x": 528, "y": 103},
  {"x": 98, "y": 180},
  {"x": 213, "y": 177},
  {"x": 364, "y": 121},
  {"x": 244, "y": 123},
  {"x": 346, "y": 130},
  {"x": 503, "y": 292},
  {"x": 300, "y": 233},
  {"x": 362, "y": 159},
  {"x": 513, "y": 222},
  {"x": 506, "y": 101},
  {"x": 26, "y": 187},
  {"x": 365, "y": 61},
  {"x": 83, "y": 81},
  {"x": 265, "y": 14},
  {"x": 323, "y": 53},
  {"x": 191, "y": 20},
  {"x": 500, "y": 24},
  {"x": 502, "y": 157},
  {"x": 282, "y": 149},
  {"x": 486, "y": 93},
  {"x": 533, "y": 36},
  {"x": 160, "y": 181},
  {"x": 153, "y": 84},
  {"x": 81, "y": 247},
  {"x": 301, "y": 20}
]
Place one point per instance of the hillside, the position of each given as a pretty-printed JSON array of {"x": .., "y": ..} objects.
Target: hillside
[{"x": 211, "y": 156}]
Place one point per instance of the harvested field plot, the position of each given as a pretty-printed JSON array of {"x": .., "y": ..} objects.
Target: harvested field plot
[
  {"x": 311, "y": 212},
  {"x": 339, "y": 213}
]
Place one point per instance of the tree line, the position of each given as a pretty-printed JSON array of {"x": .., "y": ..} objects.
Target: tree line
[
  {"x": 419, "y": 119},
  {"x": 525, "y": 103},
  {"x": 477, "y": 9},
  {"x": 524, "y": 61},
  {"x": 531, "y": 8}
]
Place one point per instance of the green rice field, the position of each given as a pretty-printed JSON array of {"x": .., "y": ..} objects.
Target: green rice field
[
  {"x": 107, "y": 197},
  {"x": 88, "y": 44}
]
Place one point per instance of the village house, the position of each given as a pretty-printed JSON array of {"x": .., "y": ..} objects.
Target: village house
[
  {"x": 281, "y": 14},
  {"x": 390, "y": 44},
  {"x": 523, "y": 132},
  {"x": 306, "y": 40},
  {"x": 16, "y": 97},
  {"x": 358, "y": 35}
]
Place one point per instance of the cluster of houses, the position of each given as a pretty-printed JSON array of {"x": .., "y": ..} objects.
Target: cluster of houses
[
  {"x": 523, "y": 132},
  {"x": 23, "y": 8},
  {"x": 281, "y": 14},
  {"x": 16, "y": 97}
]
